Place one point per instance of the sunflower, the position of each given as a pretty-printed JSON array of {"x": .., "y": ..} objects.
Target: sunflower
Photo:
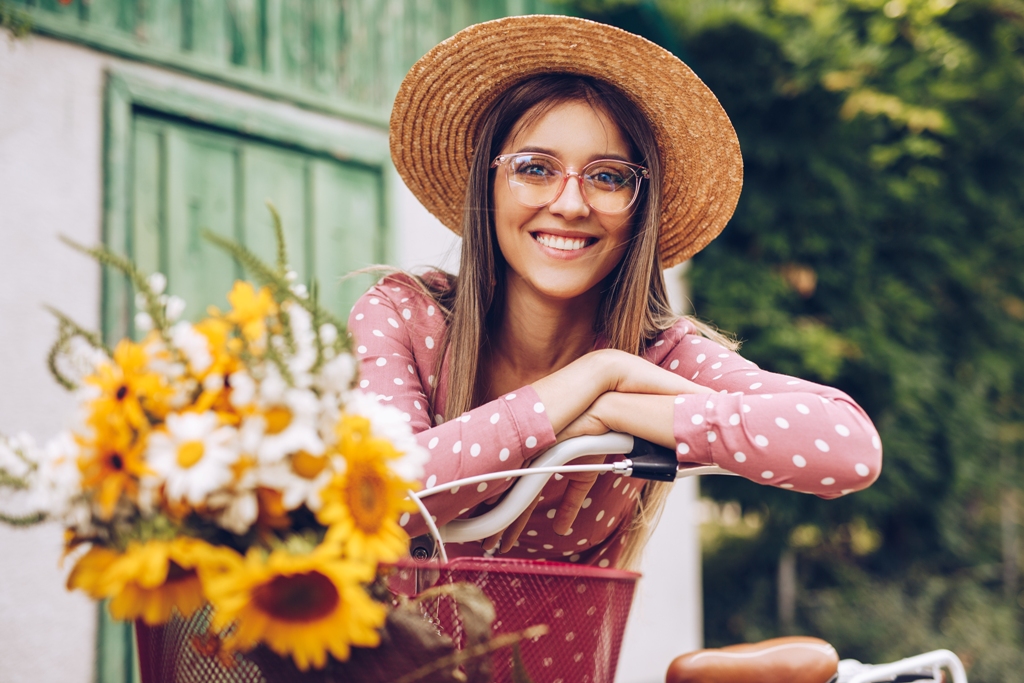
[
  {"x": 111, "y": 463},
  {"x": 149, "y": 579},
  {"x": 128, "y": 388},
  {"x": 305, "y": 606},
  {"x": 362, "y": 505}
]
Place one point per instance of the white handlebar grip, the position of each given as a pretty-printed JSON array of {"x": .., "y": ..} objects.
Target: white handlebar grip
[{"x": 529, "y": 487}]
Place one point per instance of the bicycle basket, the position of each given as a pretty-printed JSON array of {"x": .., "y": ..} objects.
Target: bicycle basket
[{"x": 585, "y": 609}]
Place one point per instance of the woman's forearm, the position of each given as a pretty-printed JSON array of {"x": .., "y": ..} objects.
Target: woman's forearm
[{"x": 647, "y": 416}]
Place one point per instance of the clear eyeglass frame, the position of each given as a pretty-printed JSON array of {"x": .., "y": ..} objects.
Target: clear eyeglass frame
[{"x": 640, "y": 173}]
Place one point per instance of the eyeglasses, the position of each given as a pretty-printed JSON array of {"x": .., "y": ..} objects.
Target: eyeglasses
[{"x": 607, "y": 185}]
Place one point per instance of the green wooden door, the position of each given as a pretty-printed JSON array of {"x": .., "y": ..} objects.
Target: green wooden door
[{"x": 188, "y": 179}]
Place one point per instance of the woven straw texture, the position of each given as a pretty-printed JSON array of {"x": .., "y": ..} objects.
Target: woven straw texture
[{"x": 443, "y": 97}]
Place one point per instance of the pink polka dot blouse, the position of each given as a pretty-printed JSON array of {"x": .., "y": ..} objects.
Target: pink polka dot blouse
[{"x": 770, "y": 428}]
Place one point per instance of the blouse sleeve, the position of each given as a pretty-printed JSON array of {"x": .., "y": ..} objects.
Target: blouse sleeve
[
  {"x": 773, "y": 429},
  {"x": 397, "y": 332}
]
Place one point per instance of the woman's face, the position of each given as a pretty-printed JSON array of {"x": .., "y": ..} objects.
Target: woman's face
[{"x": 592, "y": 243}]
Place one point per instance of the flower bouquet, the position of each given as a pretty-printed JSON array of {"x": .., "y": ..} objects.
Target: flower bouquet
[{"x": 226, "y": 474}]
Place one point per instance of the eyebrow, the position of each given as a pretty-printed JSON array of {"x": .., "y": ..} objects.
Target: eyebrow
[{"x": 550, "y": 152}]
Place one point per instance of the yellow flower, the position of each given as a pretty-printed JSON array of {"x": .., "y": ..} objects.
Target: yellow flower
[
  {"x": 111, "y": 463},
  {"x": 149, "y": 579},
  {"x": 362, "y": 505},
  {"x": 250, "y": 309},
  {"x": 128, "y": 388},
  {"x": 225, "y": 351},
  {"x": 303, "y": 606}
]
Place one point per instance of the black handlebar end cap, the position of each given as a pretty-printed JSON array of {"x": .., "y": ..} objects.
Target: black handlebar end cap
[{"x": 653, "y": 462}]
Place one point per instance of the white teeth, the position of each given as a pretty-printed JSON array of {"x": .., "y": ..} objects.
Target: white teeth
[{"x": 562, "y": 243}]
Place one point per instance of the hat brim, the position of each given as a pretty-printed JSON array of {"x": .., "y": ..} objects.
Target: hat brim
[{"x": 437, "y": 112}]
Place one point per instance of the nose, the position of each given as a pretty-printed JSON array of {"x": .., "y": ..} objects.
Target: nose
[{"x": 570, "y": 203}]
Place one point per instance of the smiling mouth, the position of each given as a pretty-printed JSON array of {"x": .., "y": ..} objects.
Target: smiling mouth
[{"x": 563, "y": 243}]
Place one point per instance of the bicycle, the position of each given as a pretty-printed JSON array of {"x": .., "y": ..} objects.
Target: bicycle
[{"x": 782, "y": 660}]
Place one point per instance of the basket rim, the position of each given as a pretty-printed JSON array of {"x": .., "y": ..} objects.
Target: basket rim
[{"x": 511, "y": 565}]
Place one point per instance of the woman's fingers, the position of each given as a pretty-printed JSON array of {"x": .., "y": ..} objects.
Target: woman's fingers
[
  {"x": 511, "y": 534},
  {"x": 577, "y": 488}
]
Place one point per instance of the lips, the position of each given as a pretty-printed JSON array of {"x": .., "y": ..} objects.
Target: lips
[{"x": 563, "y": 243}]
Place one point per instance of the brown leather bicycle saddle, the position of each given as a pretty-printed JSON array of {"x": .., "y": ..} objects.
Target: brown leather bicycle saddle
[{"x": 795, "y": 659}]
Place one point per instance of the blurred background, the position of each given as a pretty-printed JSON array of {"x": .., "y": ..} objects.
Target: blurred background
[{"x": 878, "y": 246}]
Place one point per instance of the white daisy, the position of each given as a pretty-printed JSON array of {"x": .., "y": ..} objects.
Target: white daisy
[
  {"x": 392, "y": 424},
  {"x": 194, "y": 456},
  {"x": 299, "y": 478},
  {"x": 193, "y": 346},
  {"x": 289, "y": 427}
]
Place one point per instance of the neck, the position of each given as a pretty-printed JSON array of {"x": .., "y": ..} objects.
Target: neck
[{"x": 537, "y": 335}]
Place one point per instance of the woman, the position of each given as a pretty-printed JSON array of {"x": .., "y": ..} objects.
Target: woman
[{"x": 576, "y": 161}]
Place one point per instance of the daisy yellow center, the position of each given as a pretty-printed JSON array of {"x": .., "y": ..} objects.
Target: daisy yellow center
[
  {"x": 367, "y": 498},
  {"x": 307, "y": 465},
  {"x": 189, "y": 453},
  {"x": 298, "y": 598},
  {"x": 278, "y": 419}
]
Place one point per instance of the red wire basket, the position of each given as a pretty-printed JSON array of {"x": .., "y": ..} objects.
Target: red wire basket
[{"x": 585, "y": 610}]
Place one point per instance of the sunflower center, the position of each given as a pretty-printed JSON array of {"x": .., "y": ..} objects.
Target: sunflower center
[
  {"x": 367, "y": 498},
  {"x": 278, "y": 419},
  {"x": 308, "y": 465},
  {"x": 300, "y": 597},
  {"x": 189, "y": 453},
  {"x": 116, "y": 461},
  {"x": 122, "y": 391},
  {"x": 176, "y": 573}
]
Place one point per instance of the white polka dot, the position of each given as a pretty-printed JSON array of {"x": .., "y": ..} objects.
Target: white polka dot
[
  {"x": 599, "y": 516},
  {"x": 503, "y": 454},
  {"x": 697, "y": 419},
  {"x": 361, "y": 349},
  {"x": 611, "y": 521},
  {"x": 802, "y": 409},
  {"x": 680, "y": 399},
  {"x": 429, "y": 342},
  {"x": 659, "y": 342},
  {"x": 767, "y": 474},
  {"x": 739, "y": 456},
  {"x": 393, "y": 323},
  {"x": 474, "y": 450},
  {"x": 406, "y": 313},
  {"x": 378, "y": 333},
  {"x": 359, "y": 316},
  {"x": 509, "y": 397},
  {"x": 723, "y": 355},
  {"x": 551, "y": 513},
  {"x": 575, "y": 558},
  {"x": 822, "y": 446},
  {"x": 548, "y": 546},
  {"x": 411, "y": 370},
  {"x": 683, "y": 449},
  {"x": 531, "y": 550},
  {"x": 828, "y": 481},
  {"x": 438, "y": 419},
  {"x": 582, "y": 541},
  {"x": 673, "y": 365},
  {"x": 531, "y": 441},
  {"x": 709, "y": 405},
  {"x": 701, "y": 358},
  {"x": 538, "y": 407},
  {"x": 418, "y": 405},
  {"x": 404, "y": 519},
  {"x": 430, "y": 310},
  {"x": 432, "y": 381},
  {"x": 746, "y": 408},
  {"x": 861, "y": 469},
  {"x": 465, "y": 417},
  {"x": 374, "y": 301},
  {"x": 615, "y": 484},
  {"x": 381, "y": 362},
  {"x": 842, "y": 430},
  {"x": 695, "y": 341},
  {"x": 760, "y": 441},
  {"x": 782, "y": 423},
  {"x": 751, "y": 374},
  {"x": 432, "y": 444},
  {"x": 603, "y": 563},
  {"x": 734, "y": 419},
  {"x": 457, "y": 448},
  {"x": 712, "y": 437},
  {"x": 785, "y": 486},
  {"x": 364, "y": 383},
  {"x": 718, "y": 377},
  {"x": 531, "y": 532},
  {"x": 695, "y": 375},
  {"x": 481, "y": 487},
  {"x": 431, "y": 480},
  {"x": 876, "y": 442},
  {"x": 799, "y": 461},
  {"x": 846, "y": 491},
  {"x": 625, "y": 489},
  {"x": 755, "y": 385},
  {"x": 716, "y": 365},
  {"x": 793, "y": 381},
  {"x": 398, "y": 380},
  {"x": 495, "y": 418}
]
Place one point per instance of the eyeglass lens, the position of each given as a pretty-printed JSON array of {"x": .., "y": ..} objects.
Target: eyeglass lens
[{"x": 608, "y": 186}]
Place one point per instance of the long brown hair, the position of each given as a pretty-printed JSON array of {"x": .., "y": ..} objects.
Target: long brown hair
[{"x": 634, "y": 306}]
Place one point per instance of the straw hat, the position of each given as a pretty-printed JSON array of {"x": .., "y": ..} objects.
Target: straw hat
[{"x": 440, "y": 103}]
